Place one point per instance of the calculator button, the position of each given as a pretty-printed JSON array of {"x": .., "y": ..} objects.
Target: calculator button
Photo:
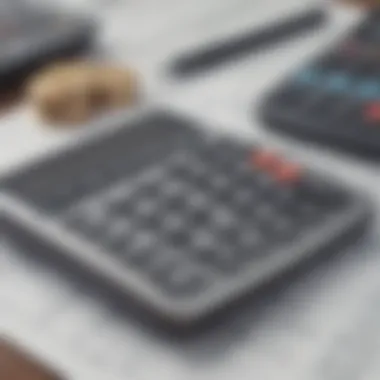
[
  {"x": 227, "y": 259},
  {"x": 231, "y": 234},
  {"x": 244, "y": 197},
  {"x": 140, "y": 250},
  {"x": 284, "y": 227},
  {"x": 287, "y": 196},
  {"x": 202, "y": 182},
  {"x": 140, "y": 260},
  {"x": 325, "y": 109},
  {"x": 179, "y": 238},
  {"x": 368, "y": 90},
  {"x": 179, "y": 171},
  {"x": 200, "y": 216},
  {"x": 180, "y": 280},
  {"x": 339, "y": 82},
  {"x": 147, "y": 191},
  {"x": 117, "y": 232},
  {"x": 247, "y": 183},
  {"x": 252, "y": 240},
  {"x": 225, "y": 196},
  {"x": 308, "y": 76},
  {"x": 265, "y": 160},
  {"x": 175, "y": 204},
  {"x": 288, "y": 173},
  {"x": 372, "y": 113},
  {"x": 90, "y": 222},
  {"x": 172, "y": 223},
  {"x": 117, "y": 246},
  {"x": 224, "y": 259},
  {"x": 220, "y": 181}
]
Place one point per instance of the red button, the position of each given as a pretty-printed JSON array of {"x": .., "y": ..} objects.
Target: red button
[
  {"x": 265, "y": 160},
  {"x": 372, "y": 113},
  {"x": 288, "y": 173},
  {"x": 278, "y": 168}
]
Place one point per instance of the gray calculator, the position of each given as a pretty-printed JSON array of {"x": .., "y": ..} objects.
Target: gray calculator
[{"x": 183, "y": 221}]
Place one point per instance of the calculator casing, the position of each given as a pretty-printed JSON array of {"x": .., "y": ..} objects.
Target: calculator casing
[
  {"x": 325, "y": 116},
  {"x": 29, "y": 222}
]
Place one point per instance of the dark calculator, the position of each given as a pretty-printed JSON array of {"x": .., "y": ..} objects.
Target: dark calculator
[
  {"x": 180, "y": 219},
  {"x": 335, "y": 99},
  {"x": 31, "y": 36}
]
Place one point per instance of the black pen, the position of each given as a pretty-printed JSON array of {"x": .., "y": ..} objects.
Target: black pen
[{"x": 247, "y": 43}]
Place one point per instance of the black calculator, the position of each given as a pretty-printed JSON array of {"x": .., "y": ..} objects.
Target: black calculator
[
  {"x": 183, "y": 220},
  {"x": 31, "y": 36},
  {"x": 335, "y": 99}
]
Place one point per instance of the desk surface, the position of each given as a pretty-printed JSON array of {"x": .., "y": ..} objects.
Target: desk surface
[{"x": 309, "y": 330}]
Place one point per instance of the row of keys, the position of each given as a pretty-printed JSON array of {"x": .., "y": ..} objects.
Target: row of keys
[
  {"x": 332, "y": 100},
  {"x": 340, "y": 82},
  {"x": 331, "y": 110},
  {"x": 139, "y": 249}
]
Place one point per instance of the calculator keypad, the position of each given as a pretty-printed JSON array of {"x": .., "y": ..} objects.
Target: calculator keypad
[{"x": 201, "y": 214}]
